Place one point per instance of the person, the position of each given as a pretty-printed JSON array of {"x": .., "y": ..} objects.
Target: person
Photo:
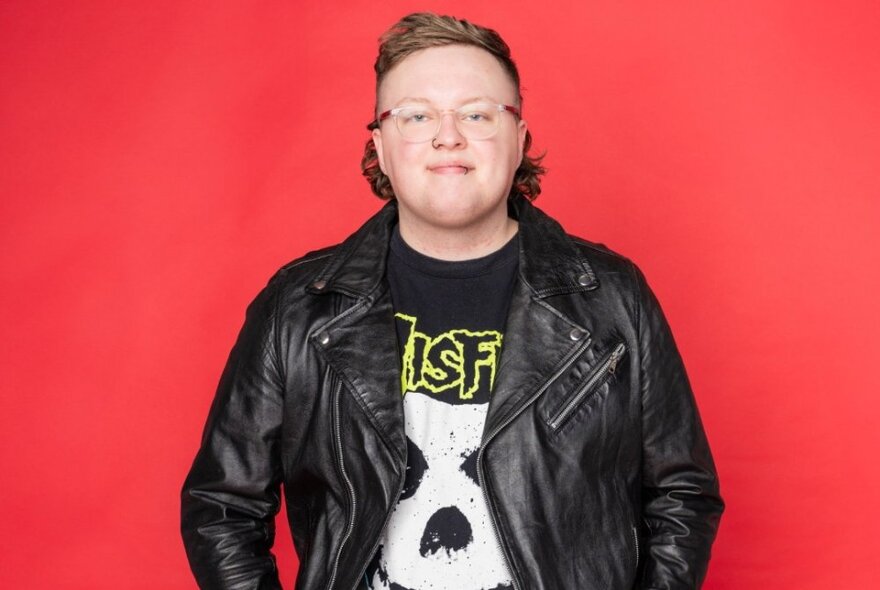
[{"x": 460, "y": 395}]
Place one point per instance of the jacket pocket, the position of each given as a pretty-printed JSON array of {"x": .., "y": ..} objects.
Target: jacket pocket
[{"x": 591, "y": 384}]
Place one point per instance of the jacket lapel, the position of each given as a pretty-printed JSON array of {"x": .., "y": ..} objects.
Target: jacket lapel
[
  {"x": 539, "y": 340},
  {"x": 361, "y": 347},
  {"x": 360, "y": 342},
  {"x": 538, "y": 343}
]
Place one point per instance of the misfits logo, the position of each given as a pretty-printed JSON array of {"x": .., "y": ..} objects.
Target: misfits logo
[
  {"x": 454, "y": 365},
  {"x": 440, "y": 534}
]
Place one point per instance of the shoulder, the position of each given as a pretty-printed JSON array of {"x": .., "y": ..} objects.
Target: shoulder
[
  {"x": 599, "y": 254},
  {"x": 307, "y": 265},
  {"x": 296, "y": 277},
  {"x": 608, "y": 264}
]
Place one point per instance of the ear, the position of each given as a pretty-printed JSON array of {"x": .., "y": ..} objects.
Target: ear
[
  {"x": 521, "y": 129},
  {"x": 380, "y": 155}
]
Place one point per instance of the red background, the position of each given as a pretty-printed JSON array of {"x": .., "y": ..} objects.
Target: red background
[{"x": 158, "y": 161}]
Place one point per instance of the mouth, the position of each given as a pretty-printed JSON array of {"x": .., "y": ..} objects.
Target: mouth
[{"x": 450, "y": 168}]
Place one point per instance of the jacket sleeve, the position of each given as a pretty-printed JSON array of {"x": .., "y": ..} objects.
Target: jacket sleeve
[
  {"x": 681, "y": 501},
  {"x": 232, "y": 493}
]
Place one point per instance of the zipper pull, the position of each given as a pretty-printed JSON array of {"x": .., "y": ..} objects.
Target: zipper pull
[{"x": 615, "y": 358}]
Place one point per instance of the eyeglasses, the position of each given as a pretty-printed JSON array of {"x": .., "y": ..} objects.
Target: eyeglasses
[{"x": 422, "y": 123}]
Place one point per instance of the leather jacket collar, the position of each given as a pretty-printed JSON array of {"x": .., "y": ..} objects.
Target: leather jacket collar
[{"x": 549, "y": 264}]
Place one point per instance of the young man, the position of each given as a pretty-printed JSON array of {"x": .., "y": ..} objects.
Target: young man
[{"x": 460, "y": 395}]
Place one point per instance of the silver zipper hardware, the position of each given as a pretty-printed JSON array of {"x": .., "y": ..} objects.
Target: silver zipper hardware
[
  {"x": 604, "y": 372},
  {"x": 323, "y": 330},
  {"x": 569, "y": 360},
  {"x": 636, "y": 543},
  {"x": 351, "y": 493},
  {"x": 393, "y": 505},
  {"x": 319, "y": 338}
]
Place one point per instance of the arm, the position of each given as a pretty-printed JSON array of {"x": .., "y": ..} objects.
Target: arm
[
  {"x": 681, "y": 501},
  {"x": 232, "y": 494}
]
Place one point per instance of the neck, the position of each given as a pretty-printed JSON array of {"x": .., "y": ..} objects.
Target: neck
[{"x": 457, "y": 243}]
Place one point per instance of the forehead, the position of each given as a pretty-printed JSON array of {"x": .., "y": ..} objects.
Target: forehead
[{"x": 446, "y": 76}]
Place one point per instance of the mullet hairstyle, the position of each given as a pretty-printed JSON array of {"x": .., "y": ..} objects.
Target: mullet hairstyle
[{"x": 422, "y": 30}]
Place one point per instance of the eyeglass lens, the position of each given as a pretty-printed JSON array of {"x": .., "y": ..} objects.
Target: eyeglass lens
[{"x": 476, "y": 121}]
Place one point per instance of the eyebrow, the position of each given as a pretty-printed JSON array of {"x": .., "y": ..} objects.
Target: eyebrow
[{"x": 420, "y": 100}]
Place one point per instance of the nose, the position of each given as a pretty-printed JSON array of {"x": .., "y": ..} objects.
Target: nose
[{"x": 448, "y": 134}]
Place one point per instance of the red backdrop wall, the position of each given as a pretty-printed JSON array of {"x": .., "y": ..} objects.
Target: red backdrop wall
[{"x": 158, "y": 161}]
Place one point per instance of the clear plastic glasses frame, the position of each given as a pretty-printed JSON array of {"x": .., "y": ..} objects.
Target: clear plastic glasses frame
[{"x": 419, "y": 123}]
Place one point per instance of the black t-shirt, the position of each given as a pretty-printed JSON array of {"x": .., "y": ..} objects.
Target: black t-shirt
[{"x": 450, "y": 320}]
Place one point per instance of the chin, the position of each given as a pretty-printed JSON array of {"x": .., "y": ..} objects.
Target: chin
[
  {"x": 456, "y": 210},
  {"x": 459, "y": 218}
]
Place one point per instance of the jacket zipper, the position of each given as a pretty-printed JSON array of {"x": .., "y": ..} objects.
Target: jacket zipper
[
  {"x": 606, "y": 369},
  {"x": 341, "y": 461},
  {"x": 636, "y": 542},
  {"x": 351, "y": 493},
  {"x": 481, "y": 478},
  {"x": 372, "y": 552}
]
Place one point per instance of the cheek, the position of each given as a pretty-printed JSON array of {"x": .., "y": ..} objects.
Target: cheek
[
  {"x": 501, "y": 162},
  {"x": 409, "y": 158},
  {"x": 404, "y": 165}
]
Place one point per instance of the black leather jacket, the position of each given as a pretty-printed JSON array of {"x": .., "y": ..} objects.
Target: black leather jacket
[{"x": 594, "y": 463}]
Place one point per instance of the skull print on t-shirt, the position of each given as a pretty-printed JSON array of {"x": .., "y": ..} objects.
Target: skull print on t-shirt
[{"x": 450, "y": 317}]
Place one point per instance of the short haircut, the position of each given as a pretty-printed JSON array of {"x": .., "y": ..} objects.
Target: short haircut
[{"x": 422, "y": 30}]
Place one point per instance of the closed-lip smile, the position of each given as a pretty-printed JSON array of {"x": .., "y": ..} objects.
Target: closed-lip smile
[{"x": 451, "y": 167}]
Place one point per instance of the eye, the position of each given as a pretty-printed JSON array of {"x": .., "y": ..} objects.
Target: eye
[
  {"x": 477, "y": 114},
  {"x": 469, "y": 465},
  {"x": 414, "y": 117}
]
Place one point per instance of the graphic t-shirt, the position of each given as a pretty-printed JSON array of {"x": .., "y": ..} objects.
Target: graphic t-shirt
[{"x": 450, "y": 318}]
